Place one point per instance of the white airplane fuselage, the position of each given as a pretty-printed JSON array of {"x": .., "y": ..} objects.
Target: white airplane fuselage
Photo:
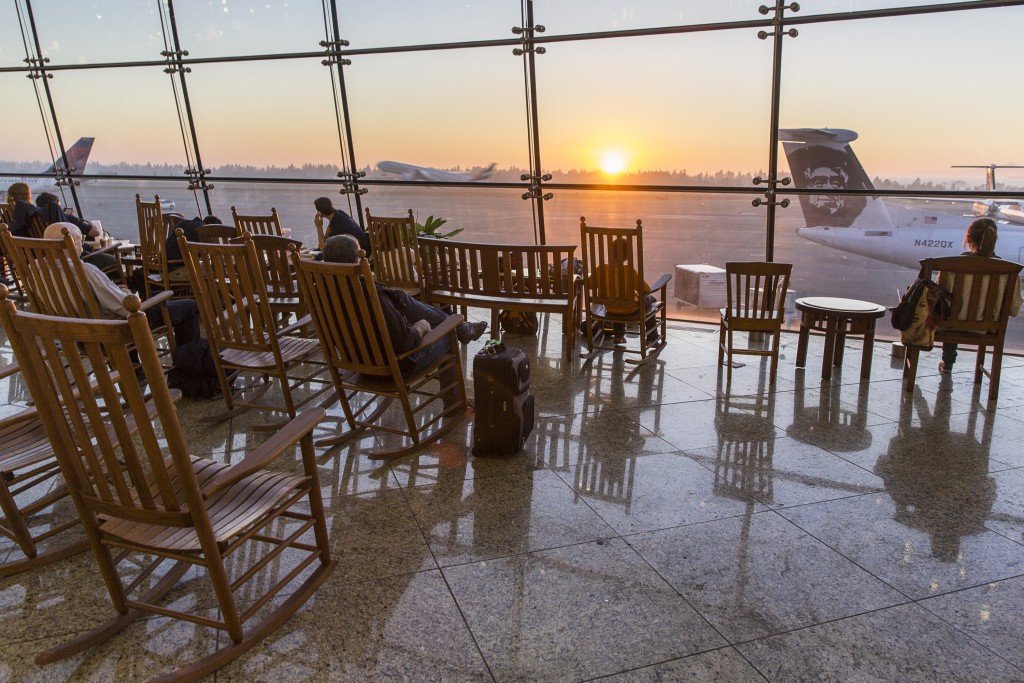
[{"x": 915, "y": 235}]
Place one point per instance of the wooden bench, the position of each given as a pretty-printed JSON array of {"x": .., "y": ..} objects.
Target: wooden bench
[{"x": 510, "y": 277}]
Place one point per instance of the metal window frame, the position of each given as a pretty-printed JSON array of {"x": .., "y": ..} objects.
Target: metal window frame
[{"x": 777, "y": 20}]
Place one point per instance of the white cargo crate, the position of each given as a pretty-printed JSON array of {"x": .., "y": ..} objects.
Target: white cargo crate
[{"x": 700, "y": 285}]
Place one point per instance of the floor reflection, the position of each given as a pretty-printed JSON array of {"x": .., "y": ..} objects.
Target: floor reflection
[
  {"x": 829, "y": 422},
  {"x": 930, "y": 470}
]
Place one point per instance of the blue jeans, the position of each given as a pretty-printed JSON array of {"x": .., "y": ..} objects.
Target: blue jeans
[{"x": 414, "y": 311}]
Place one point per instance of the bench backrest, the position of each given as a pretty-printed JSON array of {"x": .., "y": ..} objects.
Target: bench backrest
[{"x": 518, "y": 271}]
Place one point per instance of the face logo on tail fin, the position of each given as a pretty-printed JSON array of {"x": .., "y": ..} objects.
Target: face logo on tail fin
[{"x": 816, "y": 167}]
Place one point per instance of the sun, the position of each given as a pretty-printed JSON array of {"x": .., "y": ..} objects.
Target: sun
[{"x": 613, "y": 163}]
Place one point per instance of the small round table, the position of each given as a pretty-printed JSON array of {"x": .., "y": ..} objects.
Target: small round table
[{"x": 837, "y": 318}]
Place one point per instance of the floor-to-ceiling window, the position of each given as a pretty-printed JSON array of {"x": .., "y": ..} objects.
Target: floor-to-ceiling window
[{"x": 825, "y": 135}]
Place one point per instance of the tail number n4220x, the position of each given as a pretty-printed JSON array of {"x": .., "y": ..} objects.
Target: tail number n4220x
[{"x": 938, "y": 244}]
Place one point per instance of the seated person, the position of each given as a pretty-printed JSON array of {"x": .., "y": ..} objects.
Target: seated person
[
  {"x": 51, "y": 211},
  {"x": 615, "y": 271},
  {"x": 19, "y": 196},
  {"x": 407, "y": 319},
  {"x": 180, "y": 273},
  {"x": 184, "y": 313},
  {"x": 980, "y": 240},
  {"x": 339, "y": 223}
]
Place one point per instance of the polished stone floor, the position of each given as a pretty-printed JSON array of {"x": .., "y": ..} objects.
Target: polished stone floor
[{"x": 659, "y": 525}]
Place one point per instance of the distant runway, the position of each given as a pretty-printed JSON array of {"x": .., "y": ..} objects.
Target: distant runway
[{"x": 678, "y": 228}]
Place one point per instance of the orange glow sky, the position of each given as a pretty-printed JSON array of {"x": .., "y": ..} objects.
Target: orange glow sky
[{"x": 923, "y": 92}]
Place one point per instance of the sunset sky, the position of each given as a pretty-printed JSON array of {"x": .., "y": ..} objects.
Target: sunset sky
[{"x": 923, "y": 92}]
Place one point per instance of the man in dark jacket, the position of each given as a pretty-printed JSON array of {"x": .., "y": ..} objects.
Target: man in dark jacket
[
  {"x": 407, "y": 319},
  {"x": 339, "y": 223}
]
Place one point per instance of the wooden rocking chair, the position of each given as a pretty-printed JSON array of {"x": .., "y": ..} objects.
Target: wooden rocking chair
[
  {"x": 982, "y": 291},
  {"x": 258, "y": 225},
  {"x": 396, "y": 257},
  {"x": 216, "y": 234},
  {"x": 27, "y": 462},
  {"x": 278, "y": 273},
  {"x": 615, "y": 290},
  {"x": 345, "y": 308},
  {"x": 135, "y": 496},
  {"x": 156, "y": 268},
  {"x": 54, "y": 281},
  {"x": 239, "y": 324}
]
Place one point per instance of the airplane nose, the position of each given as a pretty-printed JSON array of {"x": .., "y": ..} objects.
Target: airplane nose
[{"x": 816, "y": 235}]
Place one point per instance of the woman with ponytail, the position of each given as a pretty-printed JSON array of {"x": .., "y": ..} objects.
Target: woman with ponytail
[{"x": 979, "y": 240}]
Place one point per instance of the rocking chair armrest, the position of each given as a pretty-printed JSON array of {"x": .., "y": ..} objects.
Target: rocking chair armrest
[
  {"x": 661, "y": 283},
  {"x": 156, "y": 300},
  {"x": 435, "y": 335},
  {"x": 295, "y": 326},
  {"x": 9, "y": 369},
  {"x": 283, "y": 439}
]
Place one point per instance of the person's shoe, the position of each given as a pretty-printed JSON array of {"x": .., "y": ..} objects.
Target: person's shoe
[
  {"x": 943, "y": 370},
  {"x": 470, "y": 332}
]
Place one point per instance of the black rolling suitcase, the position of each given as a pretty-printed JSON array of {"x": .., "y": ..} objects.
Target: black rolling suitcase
[{"x": 504, "y": 405}]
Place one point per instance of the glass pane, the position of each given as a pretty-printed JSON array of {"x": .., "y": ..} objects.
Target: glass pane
[
  {"x": 454, "y": 110},
  {"x": 24, "y": 148},
  {"x": 838, "y": 6},
  {"x": 294, "y": 204},
  {"x": 907, "y": 134},
  {"x": 658, "y": 111},
  {"x": 12, "y": 47},
  {"x": 875, "y": 262},
  {"x": 585, "y": 16},
  {"x": 266, "y": 118},
  {"x": 130, "y": 114},
  {"x": 679, "y": 230},
  {"x": 112, "y": 202},
  {"x": 217, "y": 28},
  {"x": 484, "y": 214},
  {"x": 373, "y": 24},
  {"x": 99, "y": 30}
]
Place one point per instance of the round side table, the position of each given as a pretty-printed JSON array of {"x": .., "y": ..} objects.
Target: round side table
[{"x": 837, "y": 318}]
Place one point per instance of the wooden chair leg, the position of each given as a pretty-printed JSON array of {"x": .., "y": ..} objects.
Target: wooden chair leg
[
  {"x": 775, "y": 357},
  {"x": 979, "y": 364},
  {"x": 910, "y": 369},
  {"x": 16, "y": 522},
  {"x": 728, "y": 366},
  {"x": 993, "y": 377},
  {"x": 721, "y": 342}
]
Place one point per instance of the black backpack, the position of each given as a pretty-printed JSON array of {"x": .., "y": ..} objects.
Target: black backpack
[
  {"x": 193, "y": 371},
  {"x": 903, "y": 314},
  {"x": 941, "y": 306}
]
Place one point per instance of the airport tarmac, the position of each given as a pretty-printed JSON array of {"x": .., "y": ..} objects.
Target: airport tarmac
[{"x": 678, "y": 228}]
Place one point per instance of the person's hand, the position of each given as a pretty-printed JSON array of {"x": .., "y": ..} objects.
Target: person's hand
[
  {"x": 422, "y": 327},
  {"x": 318, "y": 221}
]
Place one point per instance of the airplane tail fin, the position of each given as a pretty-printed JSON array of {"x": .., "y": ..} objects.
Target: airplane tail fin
[
  {"x": 484, "y": 174},
  {"x": 822, "y": 159},
  {"x": 78, "y": 157}
]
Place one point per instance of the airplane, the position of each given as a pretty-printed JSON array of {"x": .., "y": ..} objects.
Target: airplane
[
  {"x": 411, "y": 172},
  {"x": 822, "y": 159},
  {"x": 1010, "y": 211},
  {"x": 78, "y": 157}
]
